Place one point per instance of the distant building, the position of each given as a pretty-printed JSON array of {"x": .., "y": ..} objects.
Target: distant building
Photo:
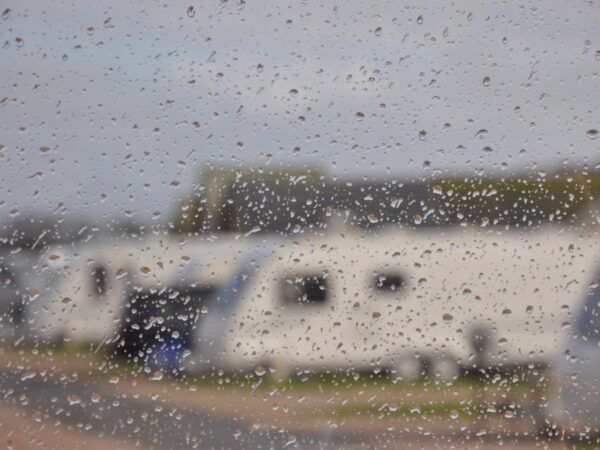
[{"x": 288, "y": 200}]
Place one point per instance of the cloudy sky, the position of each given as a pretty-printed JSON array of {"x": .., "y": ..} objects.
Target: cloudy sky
[{"x": 112, "y": 108}]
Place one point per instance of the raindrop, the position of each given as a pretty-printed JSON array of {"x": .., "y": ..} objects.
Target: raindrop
[
  {"x": 145, "y": 270},
  {"x": 28, "y": 375},
  {"x": 378, "y": 31},
  {"x": 529, "y": 309},
  {"x": 454, "y": 414},
  {"x": 360, "y": 115},
  {"x": 156, "y": 376},
  {"x": 486, "y": 81},
  {"x": 447, "y": 318},
  {"x": 487, "y": 149},
  {"x": 372, "y": 218},
  {"x": 260, "y": 371},
  {"x": 73, "y": 399},
  {"x": 422, "y": 135},
  {"x": 592, "y": 134},
  {"x": 191, "y": 11},
  {"x": 597, "y": 55},
  {"x": 506, "y": 312},
  {"x": 420, "y": 20},
  {"x": 481, "y": 133},
  {"x": 418, "y": 219}
]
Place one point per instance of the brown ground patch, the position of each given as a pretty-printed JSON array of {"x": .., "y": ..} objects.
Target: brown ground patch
[{"x": 21, "y": 430}]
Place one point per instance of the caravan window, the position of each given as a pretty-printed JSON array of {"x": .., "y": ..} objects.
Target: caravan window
[
  {"x": 389, "y": 282},
  {"x": 99, "y": 280},
  {"x": 305, "y": 289}
]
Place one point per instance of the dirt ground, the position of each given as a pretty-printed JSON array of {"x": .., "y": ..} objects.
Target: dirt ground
[
  {"x": 21, "y": 430},
  {"x": 375, "y": 415}
]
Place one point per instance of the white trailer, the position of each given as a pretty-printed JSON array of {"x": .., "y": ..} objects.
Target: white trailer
[
  {"x": 393, "y": 300},
  {"x": 94, "y": 281}
]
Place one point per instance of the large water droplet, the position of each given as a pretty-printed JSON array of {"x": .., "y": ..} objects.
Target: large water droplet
[{"x": 372, "y": 218}]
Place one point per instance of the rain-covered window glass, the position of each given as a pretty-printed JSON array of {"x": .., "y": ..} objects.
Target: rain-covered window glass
[{"x": 299, "y": 224}]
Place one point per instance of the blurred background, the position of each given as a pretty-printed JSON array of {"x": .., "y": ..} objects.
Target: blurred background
[{"x": 235, "y": 224}]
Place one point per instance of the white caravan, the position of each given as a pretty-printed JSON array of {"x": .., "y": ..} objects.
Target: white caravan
[
  {"x": 94, "y": 281},
  {"x": 394, "y": 300}
]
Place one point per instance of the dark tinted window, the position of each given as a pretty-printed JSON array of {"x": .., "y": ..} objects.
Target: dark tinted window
[
  {"x": 99, "y": 280},
  {"x": 389, "y": 282},
  {"x": 306, "y": 289}
]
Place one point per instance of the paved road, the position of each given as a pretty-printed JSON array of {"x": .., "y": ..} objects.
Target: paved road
[{"x": 153, "y": 425}]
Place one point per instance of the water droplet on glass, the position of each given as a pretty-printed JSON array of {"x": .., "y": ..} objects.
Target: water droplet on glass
[
  {"x": 191, "y": 11},
  {"x": 506, "y": 312},
  {"x": 486, "y": 81},
  {"x": 73, "y": 399},
  {"x": 372, "y": 218},
  {"x": 420, "y": 20},
  {"x": 592, "y": 134},
  {"x": 447, "y": 318},
  {"x": 481, "y": 133},
  {"x": 378, "y": 31}
]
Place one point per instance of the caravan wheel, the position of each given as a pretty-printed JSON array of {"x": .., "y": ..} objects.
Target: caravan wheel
[
  {"x": 444, "y": 368},
  {"x": 408, "y": 368}
]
